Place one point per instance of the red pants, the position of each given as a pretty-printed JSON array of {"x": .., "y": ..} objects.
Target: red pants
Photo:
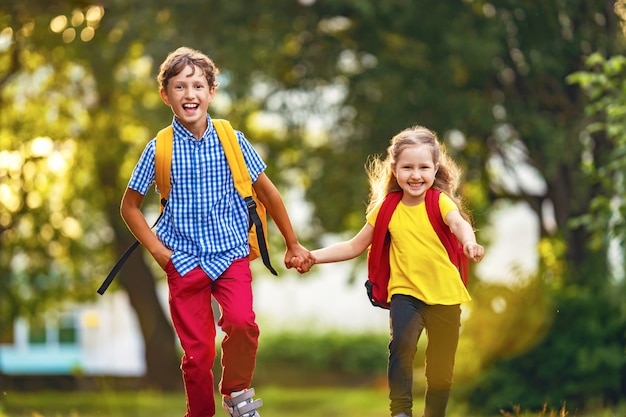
[{"x": 192, "y": 316}]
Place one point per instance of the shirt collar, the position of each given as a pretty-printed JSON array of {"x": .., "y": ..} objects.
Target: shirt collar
[{"x": 184, "y": 133}]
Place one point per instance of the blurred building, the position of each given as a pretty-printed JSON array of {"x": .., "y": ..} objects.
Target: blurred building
[{"x": 102, "y": 338}]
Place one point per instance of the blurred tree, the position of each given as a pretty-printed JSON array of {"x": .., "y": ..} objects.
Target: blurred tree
[
  {"x": 491, "y": 78},
  {"x": 604, "y": 82},
  {"x": 71, "y": 77},
  {"x": 319, "y": 86}
]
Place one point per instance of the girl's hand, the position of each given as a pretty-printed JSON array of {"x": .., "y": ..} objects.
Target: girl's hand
[{"x": 473, "y": 251}]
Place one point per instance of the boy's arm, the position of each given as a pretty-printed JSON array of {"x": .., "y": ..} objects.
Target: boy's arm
[
  {"x": 131, "y": 213},
  {"x": 270, "y": 197},
  {"x": 465, "y": 234},
  {"x": 348, "y": 249}
]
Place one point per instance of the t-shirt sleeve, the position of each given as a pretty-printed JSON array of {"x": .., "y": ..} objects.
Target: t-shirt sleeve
[
  {"x": 446, "y": 205},
  {"x": 254, "y": 163},
  {"x": 143, "y": 175},
  {"x": 372, "y": 215}
]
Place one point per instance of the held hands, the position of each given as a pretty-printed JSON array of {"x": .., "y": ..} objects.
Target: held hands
[
  {"x": 473, "y": 251},
  {"x": 302, "y": 265},
  {"x": 299, "y": 258}
]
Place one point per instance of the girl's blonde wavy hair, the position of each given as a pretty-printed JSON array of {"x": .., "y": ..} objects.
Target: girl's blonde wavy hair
[{"x": 381, "y": 171}]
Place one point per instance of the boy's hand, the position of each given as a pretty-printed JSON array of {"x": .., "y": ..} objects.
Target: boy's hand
[
  {"x": 296, "y": 262},
  {"x": 299, "y": 258},
  {"x": 163, "y": 257}
]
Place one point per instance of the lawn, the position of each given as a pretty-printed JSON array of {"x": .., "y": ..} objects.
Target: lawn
[
  {"x": 278, "y": 401},
  {"x": 284, "y": 402}
]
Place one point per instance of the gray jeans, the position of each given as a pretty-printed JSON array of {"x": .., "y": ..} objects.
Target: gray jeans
[{"x": 408, "y": 317}]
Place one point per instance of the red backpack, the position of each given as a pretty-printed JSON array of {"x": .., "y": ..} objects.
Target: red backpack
[{"x": 378, "y": 255}]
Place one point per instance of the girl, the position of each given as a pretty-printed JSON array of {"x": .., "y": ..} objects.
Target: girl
[{"x": 425, "y": 290}]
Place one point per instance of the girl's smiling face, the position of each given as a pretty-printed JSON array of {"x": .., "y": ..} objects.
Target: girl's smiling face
[
  {"x": 415, "y": 172},
  {"x": 188, "y": 94}
]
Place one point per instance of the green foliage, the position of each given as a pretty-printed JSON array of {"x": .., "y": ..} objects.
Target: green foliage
[
  {"x": 486, "y": 335},
  {"x": 580, "y": 362},
  {"x": 604, "y": 83},
  {"x": 47, "y": 221},
  {"x": 358, "y": 354},
  {"x": 568, "y": 344}
]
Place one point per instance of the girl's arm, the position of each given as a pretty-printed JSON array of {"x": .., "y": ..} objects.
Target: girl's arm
[
  {"x": 342, "y": 251},
  {"x": 270, "y": 197},
  {"x": 136, "y": 222},
  {"x": 465, "y": 234}
]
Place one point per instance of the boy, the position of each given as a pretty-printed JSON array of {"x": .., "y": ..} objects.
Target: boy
[{"x": 202, "y": 240}]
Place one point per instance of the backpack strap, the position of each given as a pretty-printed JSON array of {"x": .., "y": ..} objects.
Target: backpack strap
[
  {"x": 378, "y": 255},
  {"x": 450, "y": 242},
  {"x": 163, "y": 162},
  {"x": 230, "y": 143},
  {"x": 121, "y": 261},
  {"x": 243, "y": 183}
]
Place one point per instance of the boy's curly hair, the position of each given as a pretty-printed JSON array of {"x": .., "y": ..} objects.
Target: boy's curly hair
[{"x": 183, "y": 57}]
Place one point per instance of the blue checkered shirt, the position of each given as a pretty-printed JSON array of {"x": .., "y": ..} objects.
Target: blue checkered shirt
[{"x": 205, "y": 221}]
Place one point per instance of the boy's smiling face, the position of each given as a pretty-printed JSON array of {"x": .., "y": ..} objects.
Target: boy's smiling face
[{"x": 188, "y": 94}]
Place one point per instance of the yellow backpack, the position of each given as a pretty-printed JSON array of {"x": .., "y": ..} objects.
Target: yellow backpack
[{"x": 257, "y": 236}]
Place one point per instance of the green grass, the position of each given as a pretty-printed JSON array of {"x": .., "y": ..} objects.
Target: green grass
[
  {"x": 91, "y": 404},
  {"x": 284, "y": 402},
  {"x": 277, "y": 401}
]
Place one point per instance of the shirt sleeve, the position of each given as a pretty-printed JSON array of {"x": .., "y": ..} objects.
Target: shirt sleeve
[
  {"x": 372, "y": 215},
  {"x": 143, "y": 175},
  {"x": 254, "y": 163},
  {"x": 446, "y": 205}
]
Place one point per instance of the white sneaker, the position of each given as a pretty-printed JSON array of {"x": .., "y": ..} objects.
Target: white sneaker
[{"x": 241, "y": 404}]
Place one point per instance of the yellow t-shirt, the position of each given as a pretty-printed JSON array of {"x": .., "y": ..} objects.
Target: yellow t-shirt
[{"x": 419, "y": 263}]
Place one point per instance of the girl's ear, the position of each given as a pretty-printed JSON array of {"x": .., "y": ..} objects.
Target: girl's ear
[{"x": 164, "y": 96}]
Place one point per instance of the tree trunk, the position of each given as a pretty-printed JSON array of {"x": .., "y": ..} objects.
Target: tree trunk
[{"x": 162, "y": 357}]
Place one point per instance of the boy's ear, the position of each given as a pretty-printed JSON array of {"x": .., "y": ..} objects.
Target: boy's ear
[
  {"x": 164, "y": 97},
  {"x": 212, "y": 93}
]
